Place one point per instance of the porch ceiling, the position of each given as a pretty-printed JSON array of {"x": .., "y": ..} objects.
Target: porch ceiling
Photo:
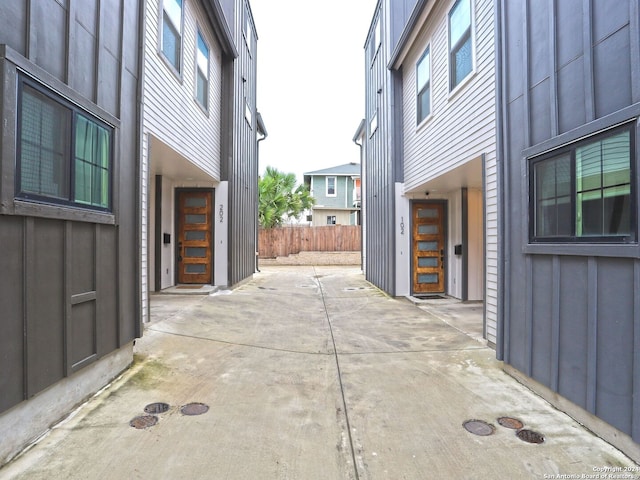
[
  {"x": 164, "y": 160},
  {"x": 468, "y": 175}
]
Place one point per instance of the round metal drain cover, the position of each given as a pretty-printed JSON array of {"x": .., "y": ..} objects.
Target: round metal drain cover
[
  {"x": 194, "y": 409},
  {"x": 479, "y": 427},
  {"x": 530, "y": 436},
  {"x": 143, "y": 421},
  {"x": 510, "y": 422},
  {"x": 158, "y": 407}
]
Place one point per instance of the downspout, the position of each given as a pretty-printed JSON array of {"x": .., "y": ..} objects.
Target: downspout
[
  {"x": 355, "y": 140},
  {"x": 264, "y": 136}
]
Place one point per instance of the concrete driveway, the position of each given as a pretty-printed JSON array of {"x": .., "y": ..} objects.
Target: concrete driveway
[{"x": 313, "y": 373}]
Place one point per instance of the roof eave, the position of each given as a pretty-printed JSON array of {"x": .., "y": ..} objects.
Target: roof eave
[{"x": 402, "y": 47}]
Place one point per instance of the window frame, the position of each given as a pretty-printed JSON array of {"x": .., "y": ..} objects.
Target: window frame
[
  {"x": 420, "y": 117},
  {"x": 177, "y": 69},
  {"x": 569, "y": 149},
  {"x": 331, "y": 220},
  {"x": 335, "y": 186},
  {"x": 204, "y": 103},
  {"x": 454, "y": 48},
  {"x": 376, "y": 39},
  {"x": 247, "y": 30},
  {"x": 74, "y": 112}
]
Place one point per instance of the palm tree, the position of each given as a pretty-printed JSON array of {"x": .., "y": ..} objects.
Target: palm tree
[{"x": 280, "y": 199}]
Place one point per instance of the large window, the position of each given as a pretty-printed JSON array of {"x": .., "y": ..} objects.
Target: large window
[
  {"x": 460, "y": 43},
  {"x": 172, "y": 31},
  {"x": 423, "y": 75},
  {"x": 64, "y": 154},
  {"x": 202, "y": 74},
  {"x": 584, "y": 192}
]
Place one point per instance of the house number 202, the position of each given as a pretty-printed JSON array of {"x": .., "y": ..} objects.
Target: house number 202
[{"x": 221, "y": 213}]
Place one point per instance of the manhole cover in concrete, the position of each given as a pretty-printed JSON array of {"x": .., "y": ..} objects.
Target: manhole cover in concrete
[
  {"x": 479, "y": 427},
  {"x": 158, "y": 407},
  {"x": 530, "y": 436},
  {"x": 143, "y": 421},
  {"x": 194, "y": 409},
  {"x": 510, "y": 422}
]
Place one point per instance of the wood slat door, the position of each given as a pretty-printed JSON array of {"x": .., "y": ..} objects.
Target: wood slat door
[
  {"x": 195, "y": 237},
  {"x": 428, "y": 248}
]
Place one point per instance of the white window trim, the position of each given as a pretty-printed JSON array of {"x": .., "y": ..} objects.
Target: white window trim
[
  {"x": 176, "y": 71},
  {"x": 205, "y": 107},
  {"x": 419, "y": 123},
  {"x": 335, "y": 186},
  {"x": 453, "y": 92}
]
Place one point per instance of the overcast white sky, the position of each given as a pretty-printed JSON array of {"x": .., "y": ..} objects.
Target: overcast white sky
[{"x": 310, "y": 81}]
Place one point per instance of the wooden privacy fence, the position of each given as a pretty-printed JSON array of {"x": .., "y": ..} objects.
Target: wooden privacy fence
[{"x": 283, "y": 241}]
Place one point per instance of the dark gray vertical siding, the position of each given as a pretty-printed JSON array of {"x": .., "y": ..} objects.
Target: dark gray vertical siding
[
  {"x": 379, "y": 175},
  {"x": 570, "y": 321},
  {"x": 12, "y": 348},
  {"x": 45, "y": 302},
  {"x": 242, "y": 172},
  {"x": 69, "y": 290}
]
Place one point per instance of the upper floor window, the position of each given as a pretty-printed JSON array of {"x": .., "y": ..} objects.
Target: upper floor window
[
  {"x": 248, "y": 38},
  {"x": 375, "y": 41},
  {"x": 64, "y": 154},
  {"x": 172, "y": 32},
  {"x": 460, "y": 43},
  {"x": 423, "y": 74},
  {"x": 331, "y": 186},
  {"x": 202, "y": 75},
  {"x": 584, "y": 192}
]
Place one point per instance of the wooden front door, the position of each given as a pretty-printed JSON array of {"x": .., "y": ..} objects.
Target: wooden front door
[
  {"x": 195, "y": 236},
  {"x": 428, "y": 248}
]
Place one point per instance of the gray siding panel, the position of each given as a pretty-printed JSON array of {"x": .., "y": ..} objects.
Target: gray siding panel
[
  {"x": 64, "y": 275},
  {"x": 44, "y": 287},
  {"x": 612, "y": 92},
  {"x": 573, "y": 345},
  {"x": 571, "y": 80},
  {"x": 615, "y": 342},
  {"x": 47, "y": 44},
  {"x": 12, "y": 339},
  {"x": 542, "y": 315},
  {"x": 569, "y": 321}
]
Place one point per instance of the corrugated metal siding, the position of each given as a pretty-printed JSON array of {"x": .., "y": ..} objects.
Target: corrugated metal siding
[
  {"x": 461, "y": 128},
  {"x": 69, "y": 290},
  {"x": 242, "y": 170},
  {"x": 571, "y": 314}
]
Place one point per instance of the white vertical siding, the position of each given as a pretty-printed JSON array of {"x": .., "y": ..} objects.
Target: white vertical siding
[
  {"x": 462, "y": 125},
  {"x": 172, "y": 113}
]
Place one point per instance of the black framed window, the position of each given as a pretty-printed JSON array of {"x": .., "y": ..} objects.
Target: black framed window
[
  {"x": 65, "y": 156},
  {"x": 172, "y": 32},
  {"x": 423, "y": 77},
  {"x": 584, "y": 192},
  {"x": 460, "y": 43}
]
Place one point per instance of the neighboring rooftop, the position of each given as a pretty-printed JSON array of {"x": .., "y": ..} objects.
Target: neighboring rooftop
[{"x": 352, "y": 168}]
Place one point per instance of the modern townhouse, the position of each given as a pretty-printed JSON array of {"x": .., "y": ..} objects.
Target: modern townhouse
[
  {"x": 69, "y": 210},
  {"x": 336, "y": 191},
  {"x": 569, "y": 291},
  {"x": 200, "y": 141},
  {"x": 431, "y": 152}
]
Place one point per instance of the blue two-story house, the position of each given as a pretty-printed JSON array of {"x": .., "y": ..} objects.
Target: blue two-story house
[{"x": 337, "y": 194}]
